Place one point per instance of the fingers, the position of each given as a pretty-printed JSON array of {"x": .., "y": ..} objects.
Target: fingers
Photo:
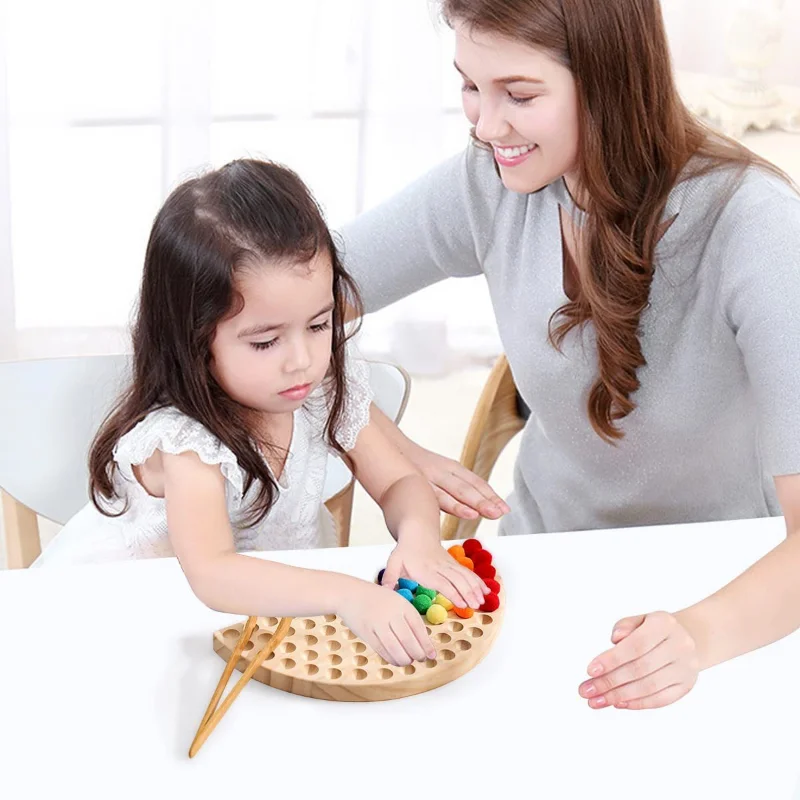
[
  {"x": 658, "y": 700},
  {"x": 419, "y": 631},
  {"x": 654, "y": 630},
  {"x": 470, "y": 495},
  {"x": 670, "y": 675},
  {"x": 451, "y": 506},
  {"x": 402, "y": 644},
  {"x": 469, "y": 587},
  {"x": 481, "y": 486},
  {"x": 625, "y": 627},
  {"x": 392, "y": 573},
  {"x": 659, "y": 657}
]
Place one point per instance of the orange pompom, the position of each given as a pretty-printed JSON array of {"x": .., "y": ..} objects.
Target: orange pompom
[
  {"x": 457, "y": 551},
  {"x": 466, "y": 562},
  {"x": 464, "y": 613},
  {"x": 472, "y": 546}
]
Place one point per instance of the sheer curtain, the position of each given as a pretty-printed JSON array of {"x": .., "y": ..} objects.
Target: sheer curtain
[{"x": 105, "y": 106}]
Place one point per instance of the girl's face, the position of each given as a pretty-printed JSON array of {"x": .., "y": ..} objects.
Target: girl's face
[
  {"x": 276, "y": 350},
  {"x": 524, "y": 104}
]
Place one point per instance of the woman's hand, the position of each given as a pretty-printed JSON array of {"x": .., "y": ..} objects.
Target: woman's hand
[
  {"x": 654, "y": 663},
  {"x": 459, "y": 492},
  {"x": 424, "y": 560},
  {"x": 387, "y": 622}
]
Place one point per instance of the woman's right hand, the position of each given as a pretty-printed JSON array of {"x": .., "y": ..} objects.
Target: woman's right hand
[
  {"x": 459, "y": 491},
  {"x": 387, "y": 622}
]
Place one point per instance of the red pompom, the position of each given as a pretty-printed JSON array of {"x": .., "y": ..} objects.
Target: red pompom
[
  {"x": 482, "y": 557},
  {"x": 472, "y": 546},
  {"x": 491, "y": 602},
  {"x": 485, "y": 570},
  {"x": 492, "y": 585}
]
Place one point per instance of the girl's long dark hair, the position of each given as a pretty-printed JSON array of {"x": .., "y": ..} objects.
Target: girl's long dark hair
[{"x": 208, "y": 228}]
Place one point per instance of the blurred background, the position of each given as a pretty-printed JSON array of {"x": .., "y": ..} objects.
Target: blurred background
[{"x": 105, "y": 106}]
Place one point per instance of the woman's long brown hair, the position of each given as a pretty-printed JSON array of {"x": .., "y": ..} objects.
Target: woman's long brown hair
[
  {"x": 636, "y": 141},
  {"x": 209, "y": 228}
]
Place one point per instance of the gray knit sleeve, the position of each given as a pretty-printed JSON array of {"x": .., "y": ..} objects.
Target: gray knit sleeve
[
  {"x": 438, "y": 227},
  {"x": 760, "y": 295}
]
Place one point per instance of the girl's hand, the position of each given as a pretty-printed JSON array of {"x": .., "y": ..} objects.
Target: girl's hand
[
  {"x": 459, "y": 492},
  {"x": 654, "y": 663},
  {"x": 425, "y": 560},
  {"x": 387, "y": 622}
]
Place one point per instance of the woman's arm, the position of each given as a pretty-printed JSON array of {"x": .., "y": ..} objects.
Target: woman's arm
[
  {"x": 762, "y": 605},
  {"x": 458, "y": 491},
  {"x": 656, "y": 657}
]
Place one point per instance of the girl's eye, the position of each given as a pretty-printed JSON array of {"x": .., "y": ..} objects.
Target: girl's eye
[
  {"x": 520, "y": 101},
  {"x": 467, "y": 88},
  {"x": 321, "y": 327},
  {"x": 263, "y": 345}
]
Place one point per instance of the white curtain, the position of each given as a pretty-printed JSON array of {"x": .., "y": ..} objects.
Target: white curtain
[{"x": 105, "y": 105}]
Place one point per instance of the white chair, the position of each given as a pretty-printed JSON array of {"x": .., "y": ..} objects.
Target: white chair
[{"x": 50, "y": 410}]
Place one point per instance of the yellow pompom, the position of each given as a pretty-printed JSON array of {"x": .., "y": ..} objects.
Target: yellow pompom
[
  {"x": 443, "y": 602},
  {"x": 436, "y": 614}
]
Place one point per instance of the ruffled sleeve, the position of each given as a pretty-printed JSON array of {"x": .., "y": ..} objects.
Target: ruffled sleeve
[
  {"x": 171, "y": 431},
  {"x": 358, "y": 397}
]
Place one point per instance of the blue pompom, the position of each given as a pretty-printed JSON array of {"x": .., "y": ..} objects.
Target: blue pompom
[
  {"x": 407, "y": 583},
  {"x": 406, "y": 593}
]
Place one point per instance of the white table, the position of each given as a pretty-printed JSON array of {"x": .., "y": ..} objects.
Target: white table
[{"x": 106, "y": 671}]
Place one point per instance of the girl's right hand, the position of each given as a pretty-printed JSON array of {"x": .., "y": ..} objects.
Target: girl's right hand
[{"x": 387, "y": 622}]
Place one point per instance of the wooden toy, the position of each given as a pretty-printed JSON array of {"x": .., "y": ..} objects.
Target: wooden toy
[{"x": 320, "y": 657}]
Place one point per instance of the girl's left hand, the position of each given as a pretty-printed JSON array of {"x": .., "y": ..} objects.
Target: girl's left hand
[
  {"x": 432, "y": 566},
  {"x": 654, "y": 663}
]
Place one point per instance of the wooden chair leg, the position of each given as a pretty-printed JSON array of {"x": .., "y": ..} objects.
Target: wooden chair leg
[
  {"x": 494, "y": 423},
  {"x": 341, "y": 509},
  {"x": 21, "y": 531}
]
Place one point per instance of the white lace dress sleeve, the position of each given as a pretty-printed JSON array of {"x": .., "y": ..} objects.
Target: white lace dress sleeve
[
  {"x": 357, "y": 400},
  {"x": 171, "y": 431},
  {"x": 141, "y": 531}
]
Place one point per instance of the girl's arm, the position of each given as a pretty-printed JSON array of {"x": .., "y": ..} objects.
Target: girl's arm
[
  {"x": 227, "y": 581},
  {"x": 412, "y": 515},
  {"x": 200, "y": 533}
]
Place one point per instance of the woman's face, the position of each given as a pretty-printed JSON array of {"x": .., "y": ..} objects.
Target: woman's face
[{"x": 524, "y": 104}]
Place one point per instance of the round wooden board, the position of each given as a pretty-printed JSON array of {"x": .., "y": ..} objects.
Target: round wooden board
[{"x": 321, "y": 658}]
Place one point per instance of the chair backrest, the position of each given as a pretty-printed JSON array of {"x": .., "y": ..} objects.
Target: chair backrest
[
  {"x": 50, "y": 410},
  {"x": 390, "y": 386}
]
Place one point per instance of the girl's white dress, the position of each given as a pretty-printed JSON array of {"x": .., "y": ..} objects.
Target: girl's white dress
[{"x": 297, "y": 520}]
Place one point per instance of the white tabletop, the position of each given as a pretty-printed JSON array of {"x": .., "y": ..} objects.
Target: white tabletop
[{"x": 105, "y": 672}]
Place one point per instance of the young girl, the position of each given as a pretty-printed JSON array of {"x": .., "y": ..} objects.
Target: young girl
[{"x": 241, "y": 386}]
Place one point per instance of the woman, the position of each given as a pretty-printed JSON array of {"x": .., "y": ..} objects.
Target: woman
[{"x": 645, "y": 274}]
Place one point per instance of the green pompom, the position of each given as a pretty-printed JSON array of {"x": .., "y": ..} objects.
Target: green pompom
[
  {"x": 422, "y": 603},
  {"x": 421, "y": 590}
]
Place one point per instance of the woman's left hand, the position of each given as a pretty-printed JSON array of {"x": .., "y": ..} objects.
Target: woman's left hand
[
  {"x": 653, "y": 663},
  {"x": 428, "y": 563}
]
